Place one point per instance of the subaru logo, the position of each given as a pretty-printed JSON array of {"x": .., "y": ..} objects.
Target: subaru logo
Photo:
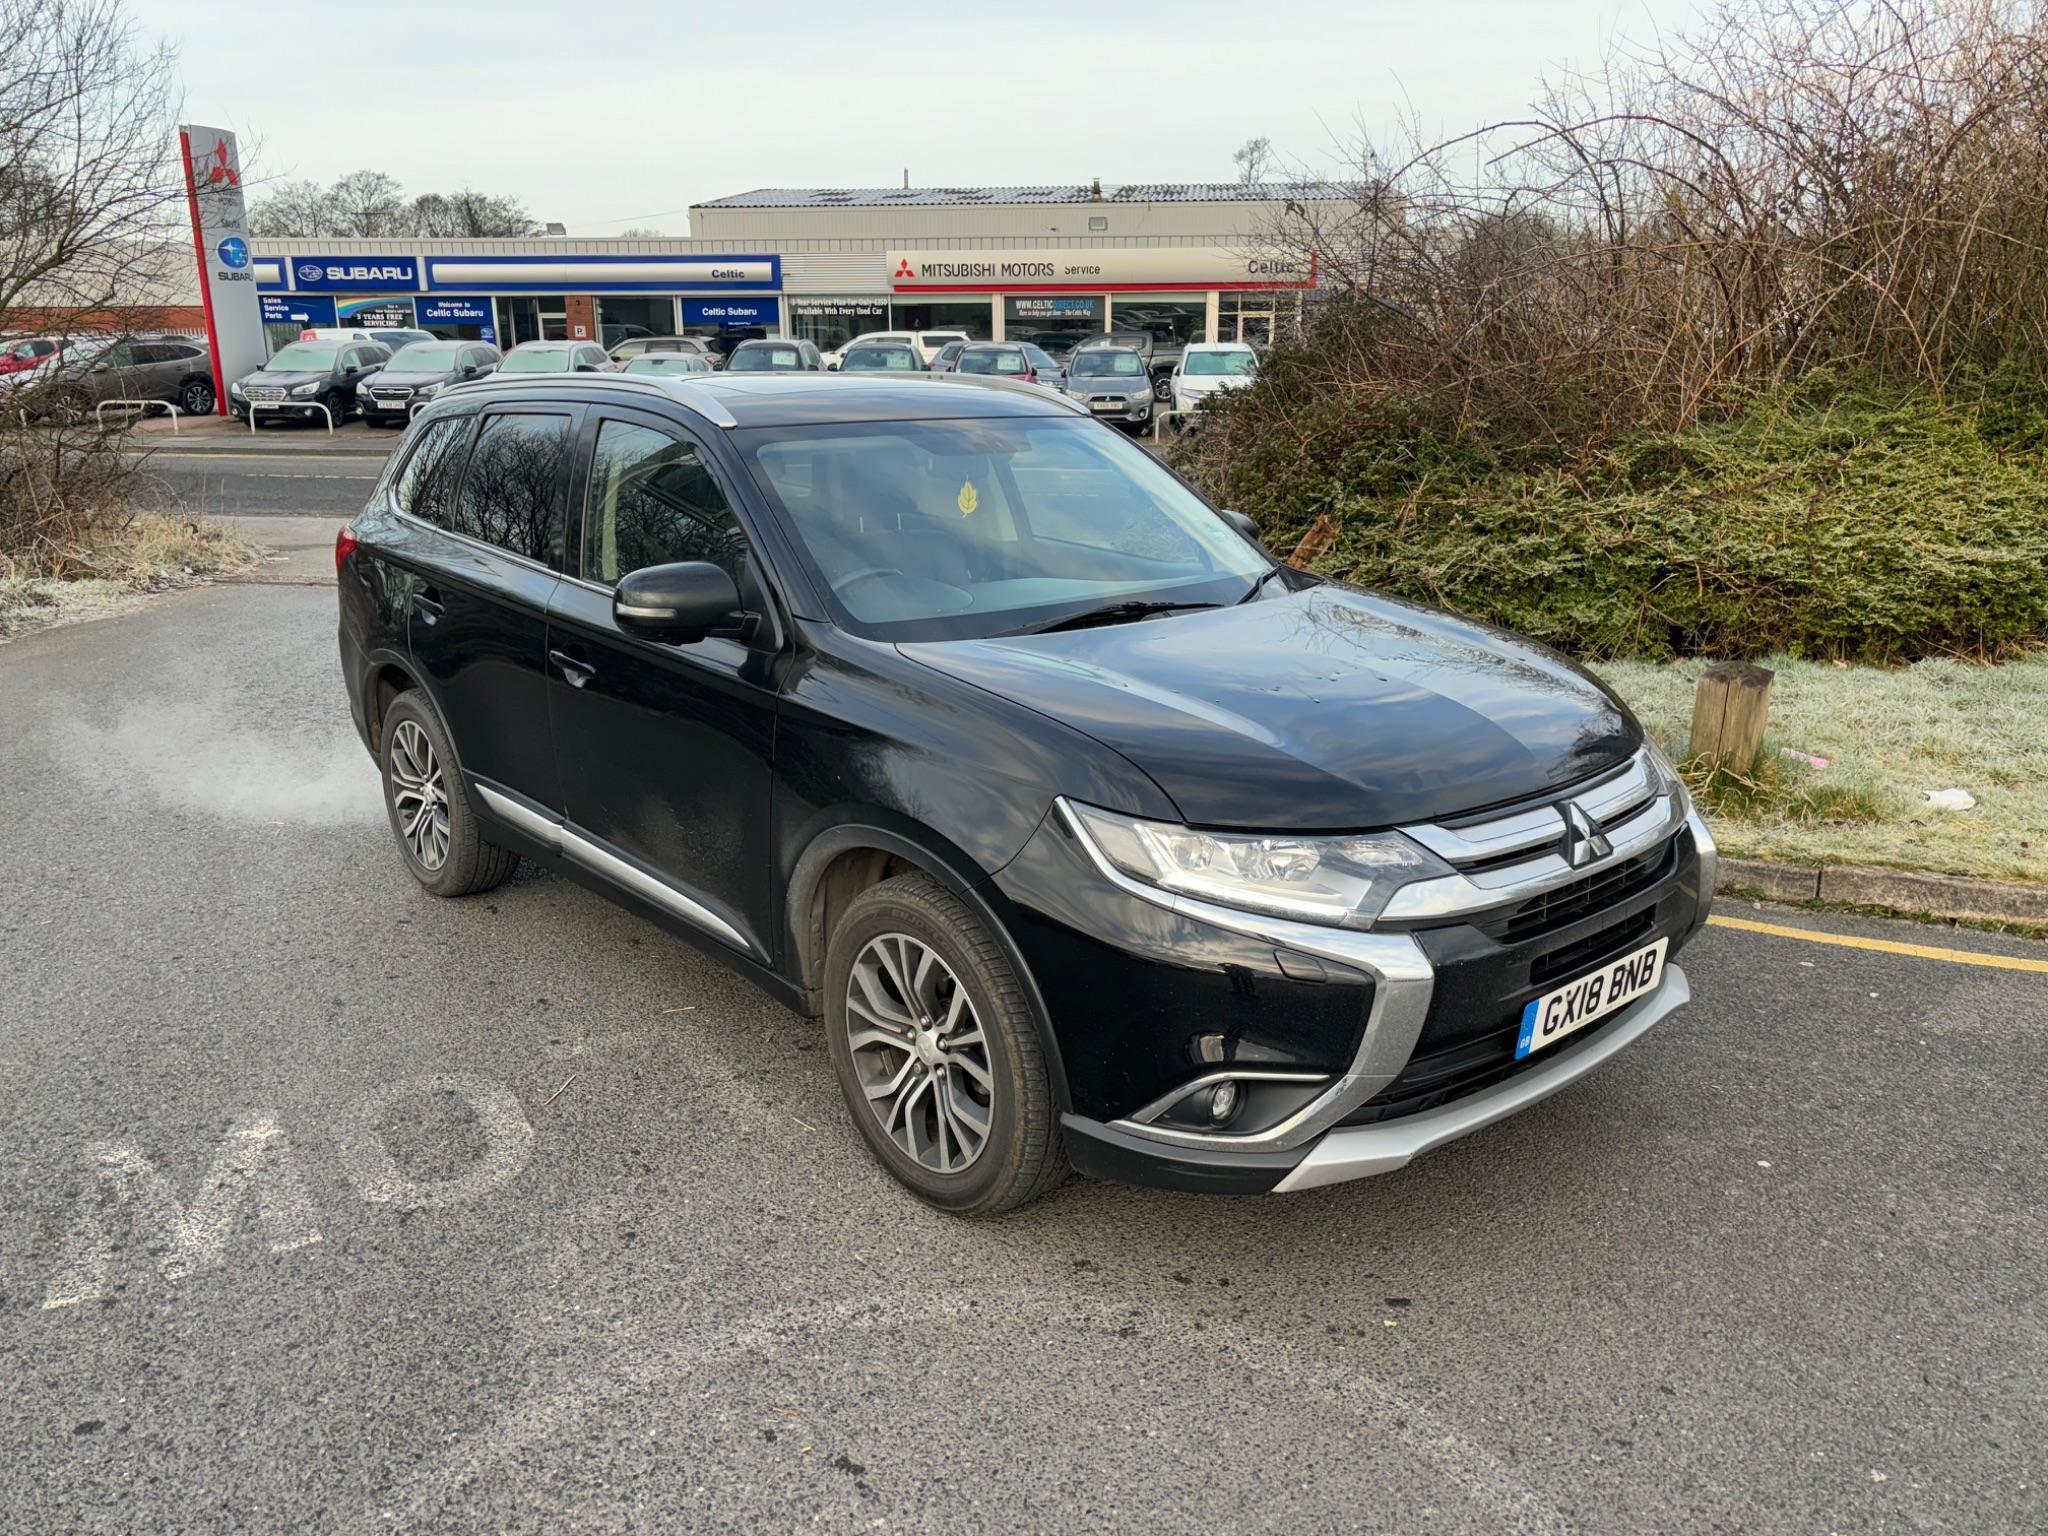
[
  {"x": 1583, "y": 840},
  {"x": 310, "y": 272},
  {"x": 233, "y": 253}
]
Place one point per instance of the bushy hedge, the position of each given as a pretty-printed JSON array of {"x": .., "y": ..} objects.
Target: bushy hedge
[{"x": 1838, "y": 518}]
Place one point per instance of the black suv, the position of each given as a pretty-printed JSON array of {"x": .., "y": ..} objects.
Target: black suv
[{"x": 952, "y": 718}]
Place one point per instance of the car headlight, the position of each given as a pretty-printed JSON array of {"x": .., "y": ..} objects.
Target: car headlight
[
  {"x": 1341, "y": 882},
  {"x": 1667, "y": 772},
  {"x": 1137, "y": 399},
  {"x": 235, "y": 388},
  {"x": 307, "y": 389},
  {"x": 428, "y": 391}
]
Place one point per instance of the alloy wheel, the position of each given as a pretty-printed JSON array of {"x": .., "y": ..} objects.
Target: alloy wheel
[
  {"x": 919, "y": 1052},
  {"x": 198, "y": 399},
  {"x": 419, "y": 796}
]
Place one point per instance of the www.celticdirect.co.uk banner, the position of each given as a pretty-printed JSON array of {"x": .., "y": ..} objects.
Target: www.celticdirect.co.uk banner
[{"x": 227, "y": 272}]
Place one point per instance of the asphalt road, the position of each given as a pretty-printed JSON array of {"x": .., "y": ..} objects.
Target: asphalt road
[
  {"x": 285, "y": 469},
  {"x": 331, "y": 1207}
]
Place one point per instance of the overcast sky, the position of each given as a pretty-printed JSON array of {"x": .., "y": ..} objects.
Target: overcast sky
[{"x": 610, "y": 114}]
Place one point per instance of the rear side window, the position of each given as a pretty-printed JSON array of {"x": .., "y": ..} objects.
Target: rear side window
[
  {"x": 512, "y": 489},
  {"x": 426, "y": 486}
]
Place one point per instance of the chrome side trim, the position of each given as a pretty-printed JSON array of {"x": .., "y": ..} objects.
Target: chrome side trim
[
  {"x": 568, "y": 842},
  {"x": 1166, "y": 1101},
  {"x": 632, "y": 612},
  {"x": 1540, "y": 828},
  {"x": 1362, "y": 1151},
  {"x": 1403, "y": 982}
]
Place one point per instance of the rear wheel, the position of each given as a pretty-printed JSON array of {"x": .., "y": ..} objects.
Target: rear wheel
[
  {"x": 432, "y": 814},
  {"x": 937, "y": 1051},
  {"x": 196, "y": 397}
]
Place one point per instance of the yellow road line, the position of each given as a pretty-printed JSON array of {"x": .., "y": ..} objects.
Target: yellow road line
[{"x": 1885, "y": 946}]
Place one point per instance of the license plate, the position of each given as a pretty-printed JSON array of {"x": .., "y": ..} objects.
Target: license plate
[
  {"x": 1109, "y": 405},
  {"x": 1576, "y": 1004}
]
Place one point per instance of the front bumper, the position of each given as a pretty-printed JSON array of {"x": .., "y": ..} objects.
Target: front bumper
[{"x": 1375, "y": 1047}]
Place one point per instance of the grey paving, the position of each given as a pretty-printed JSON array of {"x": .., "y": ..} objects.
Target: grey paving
[{"x": 597, "y": 1249}]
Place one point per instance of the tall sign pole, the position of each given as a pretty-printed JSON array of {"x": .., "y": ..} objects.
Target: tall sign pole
[{"x": 227, "y": 272}]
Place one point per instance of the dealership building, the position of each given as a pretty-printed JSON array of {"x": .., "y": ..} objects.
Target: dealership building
[{"x": 1186, "y": 261}]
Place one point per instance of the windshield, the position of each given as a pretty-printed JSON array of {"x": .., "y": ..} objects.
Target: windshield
[
  {"x": 1220, "y": 363},
  {"x": 880, "y": 357},
  {"x": 934, "y": 530},
  {"x": 1106, "y": 364},
  {"x": 425, "y": 357},
  {"x": 991, "y": 361},
  {"x": 539, "y": 360},
  {"x": 304, "y": 357},
  {"x": 761, "y": 359}
]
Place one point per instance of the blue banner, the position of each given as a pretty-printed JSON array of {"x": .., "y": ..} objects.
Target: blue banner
[
  {"x": 353, "y": 274},
  {"x": 296, "y": 309},
  {"x": 730, "y": 312}
]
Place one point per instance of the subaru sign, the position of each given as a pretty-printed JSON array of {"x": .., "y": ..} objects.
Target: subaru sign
[
  {"x": 233, "y": 252},
  {"x": 730, "y": 312},
  {"x": 354, "y": 274}
]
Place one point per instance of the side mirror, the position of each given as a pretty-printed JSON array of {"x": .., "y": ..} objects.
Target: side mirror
[
  {"x": 586, "y": 367},
  {"x": 469, "y": 370},
  {"x": 681, "y": 603},
  {"x": 1242, "y": 524}
]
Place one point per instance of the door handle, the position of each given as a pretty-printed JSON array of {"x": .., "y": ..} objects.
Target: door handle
[
  {"x": 427, "y": 604},
  {"x": 575, "y": 671}
]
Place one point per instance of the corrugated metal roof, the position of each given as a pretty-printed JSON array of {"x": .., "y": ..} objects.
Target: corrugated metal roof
[{"x": 1112, "y": 192}]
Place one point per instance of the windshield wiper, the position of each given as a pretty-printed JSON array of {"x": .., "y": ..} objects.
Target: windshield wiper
[
  {"x": 1258, "y": 585},
  {"x": 1112, "y": 613}
]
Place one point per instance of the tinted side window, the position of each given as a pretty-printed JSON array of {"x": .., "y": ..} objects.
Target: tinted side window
[
  {"x": 425, "y": 488},
  {"x": 653, "y": 502},
  {"x": 510, "y": 494}
]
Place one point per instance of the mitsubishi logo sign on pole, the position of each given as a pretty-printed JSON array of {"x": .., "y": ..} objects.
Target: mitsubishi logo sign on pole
[{"x": 220, "y": 237}]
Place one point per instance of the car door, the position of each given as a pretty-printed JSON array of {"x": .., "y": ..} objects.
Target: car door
[
  {"x": 485, "y": 497},
  {"x": 664, "y": 751}
]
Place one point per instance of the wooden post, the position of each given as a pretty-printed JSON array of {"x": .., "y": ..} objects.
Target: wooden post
[{"x": 1728, "y": 715}]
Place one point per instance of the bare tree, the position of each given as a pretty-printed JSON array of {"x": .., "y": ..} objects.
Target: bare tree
[
  {"x": 1253, "y": 158},
  {"x": 367, "y": 205},
  {"x": 291, "y": 208},
  {"x": 90, "y": 193}
]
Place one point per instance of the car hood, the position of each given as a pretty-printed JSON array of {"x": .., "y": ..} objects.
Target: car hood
[
  {"x": 1323, "y": 710},
  {"x": 1203, "y": 383},
  {"x": 275, "y": 376},
  {"x": 436, "y": 376},
  {"x": 1108, "y": 384}
]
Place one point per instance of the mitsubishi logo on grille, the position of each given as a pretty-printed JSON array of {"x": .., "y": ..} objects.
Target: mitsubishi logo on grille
[{"x": 1583, "y": 840}]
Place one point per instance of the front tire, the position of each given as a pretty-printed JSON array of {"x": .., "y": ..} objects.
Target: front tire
[
  {"x": 432, "y": 814},
  {"x": 937, "y": 1051}
]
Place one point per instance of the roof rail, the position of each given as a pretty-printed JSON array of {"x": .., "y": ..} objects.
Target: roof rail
[{"x": 682, "y": 390}]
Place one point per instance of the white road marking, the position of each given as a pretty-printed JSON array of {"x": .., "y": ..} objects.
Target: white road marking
[
  {"x": 254, "y": 1162},
  {"x": 508, "y": 1137}
]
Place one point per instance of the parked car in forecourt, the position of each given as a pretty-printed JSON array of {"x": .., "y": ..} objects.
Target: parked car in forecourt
[
  {"x": 1091, "y": 832},
  {"x": 557, "y": 357},
  {"x": 881, "y": 357},
  {"x": 926, "y": 343},
  {"x": 947, "y": 358},
  {"x": 775, "y": 356},
  {"x": 1208, "y": 369},
  {"x": 1019, "y": 360},
  {"x": 1131, "y": 340},
  {"x": 671, "y": 363},
  {"x": 420, "y": 372},
  {"x": 93, "y": 372},
  {"x": 18, "y": 355},
  {"x": 1113, "y": 384},
  {"x": 308, "y": 380},
  {"x": 641, "y": 346}
]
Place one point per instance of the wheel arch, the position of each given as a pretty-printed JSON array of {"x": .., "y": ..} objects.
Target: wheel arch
[
  {"x": 387, "y": 678},
  {"x": 848, "y": 858}
]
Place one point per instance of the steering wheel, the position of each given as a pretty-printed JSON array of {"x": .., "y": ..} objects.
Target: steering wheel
[{"x": 865, "y": 573}]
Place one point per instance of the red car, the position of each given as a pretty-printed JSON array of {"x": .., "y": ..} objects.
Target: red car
[{"x": 20, "y": 356}]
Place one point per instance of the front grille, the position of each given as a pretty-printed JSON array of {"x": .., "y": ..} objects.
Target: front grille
[
  {"x": 391, "y": 396},
  {"x": 264, "y": 392},
  {"x": 1489, "y": 969},
  {"x": 1568, "y": 903}
]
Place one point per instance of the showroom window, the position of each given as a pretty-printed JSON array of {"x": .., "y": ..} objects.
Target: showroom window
[
  {"x": 1171, "y": 322},
  {"x": 619, "y": 318},
  {"x": 1054, "y": 322},
  {"x": 829, "y": 324},
  {"x": 970, "y": 315}
]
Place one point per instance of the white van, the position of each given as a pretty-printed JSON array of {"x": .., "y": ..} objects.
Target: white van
[{"x": 925, "y": 343}]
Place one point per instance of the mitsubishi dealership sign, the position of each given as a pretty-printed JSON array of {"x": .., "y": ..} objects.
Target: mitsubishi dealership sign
[
  {"x": 1096, "y": 271},
  {"x": 227, "y": 272}
]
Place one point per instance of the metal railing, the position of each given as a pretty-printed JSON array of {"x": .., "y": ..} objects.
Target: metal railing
[
  {"x": 99, "y": 411},
  {"x": 289, "y": 405}
]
